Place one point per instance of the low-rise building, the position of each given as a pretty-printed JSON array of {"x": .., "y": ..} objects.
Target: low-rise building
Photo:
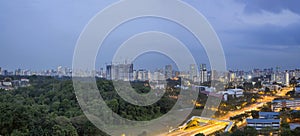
[
  {"x": 233, "y": 92},
  {"x": 293, "y": 104},
  {"x": 268, "y": 115},
  {"x": 259, "y": 124}
]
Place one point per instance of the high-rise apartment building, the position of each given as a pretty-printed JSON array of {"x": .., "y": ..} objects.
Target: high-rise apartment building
[
  {"x": 287, "y": 78},
  {"x": 119, "y": 72},
  {"x": 203, "y": 73},
  {"x": 193, "y": 71},
  {"x": 168, "y": 71}
]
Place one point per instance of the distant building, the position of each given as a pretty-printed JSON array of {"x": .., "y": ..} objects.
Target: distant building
[
  {"x": 143, "y": 75},
  {"x": 18, "y": 72},
  {"x": 272, "y": 87},
  {"x": 7, "y": 83},
  {"x": 119, "y": 72},
  {"x": 287, "y": 79},
  {"x": 266, "y": 119},
  {"x": 259, "y": 124},
  {"x": 168, "y": 71},
  {"x": 5, "y": 73},
  {"x": 232, "y": 92},
  {"x": 157, "y": 75},
  {"x": 231, "y": 76},
  {"x": 101, "y": 73},
  {"x": 24, "y": 82},
  {"x": 268, "y": 115},
  {"x": 203, "y": 73},
  {"x": 203, "y": 89},
  {"x": 293, "y": 104},
  {"x": 273, "y": 77},
  {"x": 157, "y": 85},
  {"x": 193, "y": 71},
  {"x": 213, "y": 75}
]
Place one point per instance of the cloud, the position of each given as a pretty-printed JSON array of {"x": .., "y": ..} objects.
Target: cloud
[
  {"x": 275, "y": 6},
  {"x": 283, "y": 18},
  {"x": 248, "y": 29},
  {"x": 258, "y": 31}
]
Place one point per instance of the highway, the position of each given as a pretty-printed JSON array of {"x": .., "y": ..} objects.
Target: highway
[{"x": 214, "y": 126}]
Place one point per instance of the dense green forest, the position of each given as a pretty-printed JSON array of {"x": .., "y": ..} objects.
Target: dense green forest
[{"x": 49, "y": 107}]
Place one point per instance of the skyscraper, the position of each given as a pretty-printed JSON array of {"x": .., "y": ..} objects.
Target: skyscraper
[
  {"x": 168, "y": 71},
  {"x": 193, "y": 71},
  {"x": 203, "y": 73},
  {"x": 108, "y": 72},
  {"x": 213, "y": 75},
  {"x": 119, "y": 72},
  {"x": 286, "y": 78},
  {"x": 60, "y": 71}
]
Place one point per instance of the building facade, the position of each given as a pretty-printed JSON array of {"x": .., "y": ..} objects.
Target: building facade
[{"x": 293, "y": 104}]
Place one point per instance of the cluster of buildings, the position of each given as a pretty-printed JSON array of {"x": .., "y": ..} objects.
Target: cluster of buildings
[
  {"x": 196, "y": 73},
  {"x": 269, "y": 75},
  {"x": 9, "y": 84},
  {"x": 60, "y": 71},
  {"x": 234, "y": 93},
  {"x": 127, "y": 73}
]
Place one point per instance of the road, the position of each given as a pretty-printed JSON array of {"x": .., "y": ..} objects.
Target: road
[
  {"x": 205, "y": 129},
  {"x": 213, "y": 127}
]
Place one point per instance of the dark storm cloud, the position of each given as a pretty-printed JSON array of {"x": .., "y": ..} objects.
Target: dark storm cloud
[{"x": 270, "y": 35}]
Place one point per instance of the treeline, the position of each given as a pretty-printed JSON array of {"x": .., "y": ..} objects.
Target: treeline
[{"x": 49, "y": 107}]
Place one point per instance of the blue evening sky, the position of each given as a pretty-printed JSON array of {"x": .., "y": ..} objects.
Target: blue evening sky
[{"x": 42, "y": 34}]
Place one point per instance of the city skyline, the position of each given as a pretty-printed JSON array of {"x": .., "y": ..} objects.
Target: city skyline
[
  {"x": 253, "y": 33},
  {"x": 196, "y": 73},
  {"x": 150, "y": 67}
]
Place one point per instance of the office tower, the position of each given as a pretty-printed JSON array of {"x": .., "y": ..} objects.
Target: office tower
[
  {"x": 141, "y": 75},
  {"x": 134, "y": 75},
  {"x": 119, "y": 72},
  {"x": 18, "y": 72},
  {"x": 60, "y": 71},
  {"x": 277, "y": 74},
  {"x": 273, "y": 77},
  {"x": 5, "y": 72},
  {"x": 231, "y": 76},
  {"x": 130, "y": 71},
  {"x": 0, "y": 71},
  {"x": 125, "y": 72},
  {"x": 114, "y": 72},
  {"x": 203, "y": 73},
  {"x": 108, "y": 72},
  {"x": 168, "y": 71},
  {"x": 177, "y": 73},
  {"x": 287, "y": 78},
  {"x": 213, "y": 75},
  {"x": 193, "y": 71}
]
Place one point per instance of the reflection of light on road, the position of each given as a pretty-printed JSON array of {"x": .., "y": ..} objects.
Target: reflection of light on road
[
  {"x": 212, "y": 126},
  {"x": 205, "y": 126}
]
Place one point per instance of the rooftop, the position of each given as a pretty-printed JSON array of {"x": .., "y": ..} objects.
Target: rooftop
[{"x": 262, "y": 120}]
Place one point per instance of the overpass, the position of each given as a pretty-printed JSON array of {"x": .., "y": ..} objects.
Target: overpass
[{"x": 203, "y": 125}]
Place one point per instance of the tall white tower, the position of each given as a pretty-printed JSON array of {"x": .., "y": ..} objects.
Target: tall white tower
[{"x": 287, "y": 78}]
